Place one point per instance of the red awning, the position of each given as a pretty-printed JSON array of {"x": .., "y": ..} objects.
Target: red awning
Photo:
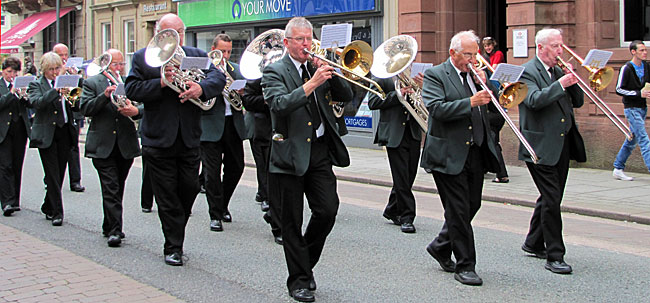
[{"x": 29, "y": 27}]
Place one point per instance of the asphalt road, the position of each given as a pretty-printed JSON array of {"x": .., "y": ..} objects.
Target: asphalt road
[{"x": 365, "y": 259}]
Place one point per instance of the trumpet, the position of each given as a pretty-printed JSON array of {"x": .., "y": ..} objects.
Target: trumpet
[
  {"x": 354, "y": 61},
  {"x": 511, "y": 94},
  {"x": 598, "y": 80},
  {"x": 230, "y": 95},
  {"x": 513, "y": 127}
]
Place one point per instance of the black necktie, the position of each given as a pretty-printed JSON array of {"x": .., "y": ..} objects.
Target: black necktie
[
  {"x": 551, "y": 71},
  {"x": 477, "y": 121},
  {"x": 11, "y": 85},
  {"x": 315, "y": 114}
]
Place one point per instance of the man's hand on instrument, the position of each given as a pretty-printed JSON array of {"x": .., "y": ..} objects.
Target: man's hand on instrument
[
  {"x": 568, "y": 80},
  {"x": 406, "y": 90},
  {"x": 168, "y": 76},
  {"x": 194, "y": 91},
  {"x": 322, "y": 74},
  {"x": 240, "y": 91},
  {"x": 480, "y": 98},
  {"x": 481, "y": 75},
  {"x": 129, "y": 110},
  {"x": 318, "y": 62},
  {"x": 419, "y": 79},
  {"x": 109, "y": 90}
]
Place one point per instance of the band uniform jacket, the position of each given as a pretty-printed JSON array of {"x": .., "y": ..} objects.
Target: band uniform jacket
[
  {"x": 291, "y": 117},
  {"x": 164, "y": 115},
  {"x": 46, "y": 103},
  {"x": 254, "y": 103},
  {"x": 107, "y": 126},
  {"x": 213, "y": 120},
  {"x": 10, "y": 105},
  {"x": 545, "y": 116},
  {"x": 393, "y": 116},
  {"x": 449, "y": 133}
]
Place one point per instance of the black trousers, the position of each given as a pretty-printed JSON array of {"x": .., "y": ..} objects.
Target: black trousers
[
  {"x": 260, "y": 150},
  {"x": 403, "y": 161},
  {"x": 273, "y": 192},
  {"x": 146, "y": 190},
  {"x": 546, "y": 223},
  {"x": 229, "y": 152},
  {"x": 54, "y": 160},
  {"x": 12, "y": 156},
  {"x": 74, "y": 163},
  {"x": 302, "y": 252},
  {"x": 112, "y": 173},
  {"x": 461, "y": 199},
  {"x": 175, "y": 182}
]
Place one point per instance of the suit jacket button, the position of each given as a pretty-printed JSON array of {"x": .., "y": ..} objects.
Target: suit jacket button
[
  {"x": 403, "y": 123},
  {"x": 114, "y": 132},
  {"x": 308, "y": 139},
  {"x": 8, "y": 123},
  {"x": 406, "y": 113},
  {"x": 10, "y": 113},
  {"x": 561, "y": 135},
  {"x": 562, "y": 120},
  {"x": 117, "y": 120},
  {"x": 467, "y": 142},
  {"x": 53, "y": 123},
  {"x": 470, "y": 127},
  {"x": 309, "y": 123},
  {"x": 55, "y": 112}
]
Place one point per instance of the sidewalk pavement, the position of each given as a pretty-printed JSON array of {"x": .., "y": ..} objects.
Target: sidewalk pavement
[{"x": 32, "y": 270}]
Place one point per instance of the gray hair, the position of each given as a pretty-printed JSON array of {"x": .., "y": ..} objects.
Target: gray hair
[
  {"x": 49, "y": 60},
  {"x": 456, "y": 40},
  {"x": 297, "y": 22},
  {"x": 543, "y": 35}
]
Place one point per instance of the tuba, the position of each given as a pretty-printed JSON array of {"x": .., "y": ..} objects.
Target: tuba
[
  {"x": 100, "y": 66},
  {"x": 394, "y": 58},
  {"x": 230, "y": 95},
  {"x": 164, "y": 50},
  {"x": 266, "y": 48}
]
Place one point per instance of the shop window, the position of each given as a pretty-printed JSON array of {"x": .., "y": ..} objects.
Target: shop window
[
  {"x": 129, "y": 43},
  {"x": 106, "y": 36},
  {"x": 636, "y": 16}
]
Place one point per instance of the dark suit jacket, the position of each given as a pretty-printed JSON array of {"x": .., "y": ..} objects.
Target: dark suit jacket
[
  {"x": 291, "y": 117},
  {"x": 107, "y": 125},
  {"x": 392, "y": 116},
  {"x": 213, "y": 120},
  {"x": 46, "y": 103},
  {"x": 254, "y": 103},
  {"x": 546, "y": 114},
  {"x": 448, "y": 138},
  {"x": 10, "y": 105},
  {"x": 164, "y": 114}
]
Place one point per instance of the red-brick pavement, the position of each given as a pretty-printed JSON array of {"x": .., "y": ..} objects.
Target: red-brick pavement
[{"x": 32, "y": 270}]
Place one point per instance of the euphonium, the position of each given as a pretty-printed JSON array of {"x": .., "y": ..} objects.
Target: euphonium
[
  {"x": 164, "y": 50},
  {"x": 394, "y": 57},
  {"x": 266, "y": 48},
  {"x": 230, "y": 95}
]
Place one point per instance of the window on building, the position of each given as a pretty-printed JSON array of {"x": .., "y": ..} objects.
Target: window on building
[
  {"x": 636, "y": 16},
  {"x": 3, "y": 20},
  {"x": 129, "y": 43},
  {"x": 106, "y": 36},
  {"x": 67, "y": 33}
]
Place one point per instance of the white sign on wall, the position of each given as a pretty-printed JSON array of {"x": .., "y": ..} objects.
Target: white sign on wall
[{"x": 520, "y": 43}]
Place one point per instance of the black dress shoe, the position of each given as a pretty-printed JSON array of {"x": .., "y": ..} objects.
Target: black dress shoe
[
  {"x": 114, "y": 241},
  {"x": 558, "y": 267},
  {"x": 7, "y": 210},
  {"x": 537, "y": 253},
  {"x": 302, "y": 295},
  {"x": 446, "y": 263},
  {"x": 408, "y": 228},
  {"x": 395, "y": 219},
  {"x": 216, "y": 225},
  {"x": 77, "y": 188},
  {"x": 259, "y": 198},
  {"x": 265, "y": 206},
  {"x": 468, "y": 277},
  {"x": 312, "y": 285},
  {"x": 174, "y": 259},
  {"x": 146, "y": 210},
  {"x": 227, "y": 217},
  {"x": 57, "y": 222},
  {"x": 278, "y": 240},
  {"x": 16, "y": 208}
]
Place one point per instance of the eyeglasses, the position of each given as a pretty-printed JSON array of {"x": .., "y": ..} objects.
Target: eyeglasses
[
  {"x": 118, "y": 64},
  {"x": 469, "y": 55},
  {"x": 300, "y": 39}
]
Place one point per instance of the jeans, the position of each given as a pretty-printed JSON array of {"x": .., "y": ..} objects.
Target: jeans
[{"x": 636, "y": 117}]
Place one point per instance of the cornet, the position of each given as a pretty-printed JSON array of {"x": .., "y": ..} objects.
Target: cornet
[
  {"x": 100, "y": 66},
  {"x": 230, "y": 95}
]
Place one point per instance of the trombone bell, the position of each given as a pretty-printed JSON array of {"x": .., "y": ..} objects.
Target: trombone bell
[
  {"x": 599, "y": 79},
  {"x": 513, "y": 94}
]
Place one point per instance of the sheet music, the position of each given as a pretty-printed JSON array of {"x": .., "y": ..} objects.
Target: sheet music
[
  {"x": 119, "y": 90},
  {"x": 597, "y": 58},
  {"x": 195, "y": 63},
  {"x": 74, "y": 61},
  {"x": 66, "y": 81},
  {"x": 507, "y": 73},
  {"x": 23, "y": 81},
  {"x": 237, "y": 84},
  {"x": 419, "y": 68},
  {"x": 335, "y": 35}
]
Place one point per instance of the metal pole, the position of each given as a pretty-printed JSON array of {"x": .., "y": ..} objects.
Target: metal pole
[{"x": 58, "y": 10}]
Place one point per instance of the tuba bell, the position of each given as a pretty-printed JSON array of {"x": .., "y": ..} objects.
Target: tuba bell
[
  {"x": 216, "y": 56},
  {"x": 164, "y": 50},
  {"x": 266, "y": 48},
  {"x": 394, "y": 57}
]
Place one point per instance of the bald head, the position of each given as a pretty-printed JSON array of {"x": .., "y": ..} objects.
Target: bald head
[
  {"x": 174, "y": 22},
  {"x": 61, "y": 50}
]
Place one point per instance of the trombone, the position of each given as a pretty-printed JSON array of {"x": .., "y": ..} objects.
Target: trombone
[
  {"x": 354, "y": 61},
  {"x": 513, "y": 127},
  {"x": 598, "y": 80},
  {"x": 511, "y": 94}
]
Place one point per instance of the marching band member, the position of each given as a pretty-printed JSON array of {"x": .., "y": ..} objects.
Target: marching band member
[
  {"x": 170, "y": 130},
  {"x": 548, "y": 123},
  {"x": 456, "y": 150},
  {"x": 111, "y": 142},
  {"x": 14, "y": 131},
  {"x": 221, "y": 144},
  {"x": 305, "y": 145}
]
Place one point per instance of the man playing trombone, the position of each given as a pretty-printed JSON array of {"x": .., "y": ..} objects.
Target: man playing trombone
[
  {"x": 112, "y": 141},
  {"x": 548, "y": 123},
  {"x": 304, "y": 146},
  {"x": 456, "y": 150}
]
